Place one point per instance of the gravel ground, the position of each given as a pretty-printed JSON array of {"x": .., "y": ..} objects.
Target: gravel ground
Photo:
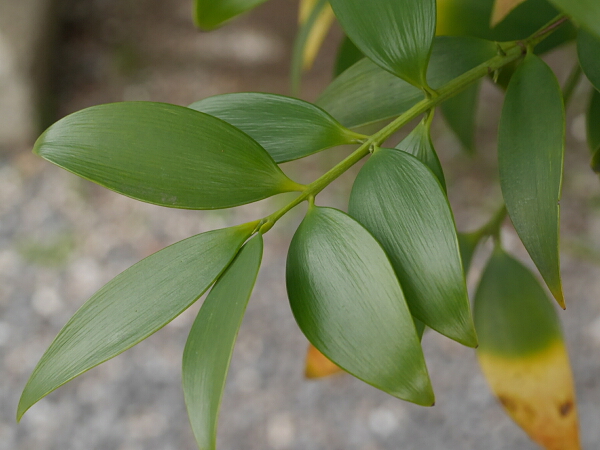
[{"x": 62, "y": 238}]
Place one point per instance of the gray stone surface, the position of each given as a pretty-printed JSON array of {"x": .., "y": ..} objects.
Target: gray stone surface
[
  {"x": 26, "y": 37},
  {"x": 61, "y": 238}
]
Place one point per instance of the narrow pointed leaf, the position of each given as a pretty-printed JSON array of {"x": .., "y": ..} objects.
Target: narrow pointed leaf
[
  {"x": 588, "y": 49},
  {"x": 467, "y": 243},
  {"x": 348, "y": 55},
  {"x": 318, "y": 32},
  {"x": 473, "y": 18},
  {"x": 418, "y": 143},
  {"x": 164, "y": 154},
  {"x": 585, "y": 12},
  {"x": 396, "y": 35},
  {"x": 522, "y": 353},
  {"x": 593, "y": 122},
  {"x": 286, "y": 127},
  {"x": 348, "y": 302},
  {"x": 313, "y": 15},
  {"x": 209, "y": 14},
  {"x": 365, "y": 93},
  {"x": 211, "y": 340},
  {"x": 531, "y": 141},
  {"x": 460, "y": 113},
  {"x": 132, "y": 306},
  {"x": 400, "y": 201},
  {"x": 318, "y": 365},
  {"x": 501, "y": 9}
]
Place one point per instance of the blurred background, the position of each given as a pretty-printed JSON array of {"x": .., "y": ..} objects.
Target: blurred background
[{"x": 62, "y": 238}]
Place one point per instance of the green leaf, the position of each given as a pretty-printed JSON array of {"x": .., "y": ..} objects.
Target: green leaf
[
  {"x": 585, "y": 12},
  {"x": 210, "y": 343},
  {"x": 135, "y": 304},
  {"x": 348, "y": 302},
  {"x": 467, "y": 243},
  {"x": 365, "y": 93},
  {"x": 164, "y": 154},
  {"x": 348, "y": 54},
  {"x": 473, "y": 18},
  {"x": 593, "y": 122},
  {"x": 588, "y": 49},
  {"x": 418, "y": 143},
  {"x": 531, "y": 141},
  {"x": 513, "y": 315},
  {"x": 398, "y": 199},
  {"x": 286, "y": 127},
  {"x": 394, "y": 34},
  {"x": 460, "y": 112},
  {"x": 209, "y": 14}
]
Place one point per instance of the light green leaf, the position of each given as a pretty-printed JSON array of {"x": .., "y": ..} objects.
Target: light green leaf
[
  {"x": 395, "y": 34},
  {"x": 398, "y": 199},
  {"x": 210, "y": 343},
  {"x": 460, "y": 112},
  {"x": 365, "y": 93},
  {"x": 585, "y": 12},
  {"x": 348, "y": 302},
  {"x": 164, "y": 154},
  {"x": 531, "y": 141},
  {"x": 588, "y": 51},
  {"x": 209, "y": 14},
  {"x": 135, "y": 304},
  {"x": 473, "y": 18},
  {"x": 593, "y": 121},
  {"x": 286, "y": 127},
  {"x": 348, "y": 54},
  {"x": 467, "y": 243},
  {"x": 418, "y": 143}
]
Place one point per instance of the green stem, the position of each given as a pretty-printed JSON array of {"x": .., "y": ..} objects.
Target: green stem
[
  {"x": 511, "y": 51},
  {"x": 492, "y": 228}
]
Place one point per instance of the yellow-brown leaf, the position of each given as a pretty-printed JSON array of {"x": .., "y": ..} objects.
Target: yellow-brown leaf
[{"x": 317, "y": 364}]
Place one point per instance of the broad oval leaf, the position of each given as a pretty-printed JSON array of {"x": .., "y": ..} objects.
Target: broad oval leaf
[
  {"x": 132, "y": 306},
  {"x": 418, "y": 143},
  {"x": 400, "y": 201},
  {"x": 585, "y": 12},
  {"x": 209, "y": 346},
  {"x": 395, "y": 34},
  {"x": 593, "y": 122},
  {"x": 588, "y": 49},
  {"x": 531, "y": 141},
  {"x": 164, "y": 154},
  {"x": 348, "y": 54},
  {"x": 348, "y": 302},
  {"x": 522, "y": 353},
  {"x": 474, "y": 17},
  {"x": 209, "y": 14},
  {"x": 286, "y": 127},
  {"x": 365, "y": 93}
]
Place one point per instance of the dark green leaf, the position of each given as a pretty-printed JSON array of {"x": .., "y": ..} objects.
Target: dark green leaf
[
  {"x": 513, "y": 314},
  {"x": 349, "y": 304},
  {"x": 395, "y": 35},
  {"x": 286, "y": 127},
  {"x": 460, "y": 112},
  {"x": 398, "y": 199},
  {"x": 348, "y": 54},
  {"x": 530, "y": 155},
  {"x": 210, "y": 343},
  {"x": 593, "y": 122},
  {"x": 418, "y": 143},
  {"x": 588, "y": 51},
  {"x": 135, "y": 304},
  {"x": 164, "y": 154},
  {"x": 365, "y": 93},
  {"x": 585, "y": 12},
  {"x": 473, "y": 18},
  {"x": 467, "y": 243},
  {"x": 209, "y": 14}
]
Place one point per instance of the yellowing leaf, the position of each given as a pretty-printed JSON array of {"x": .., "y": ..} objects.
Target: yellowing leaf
[
  {"x": 318, "y": 365},
  {"x": 502, "y": 8},
  {"x": 318, "y": 32},
  {"x": 537, "y": 392}
]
